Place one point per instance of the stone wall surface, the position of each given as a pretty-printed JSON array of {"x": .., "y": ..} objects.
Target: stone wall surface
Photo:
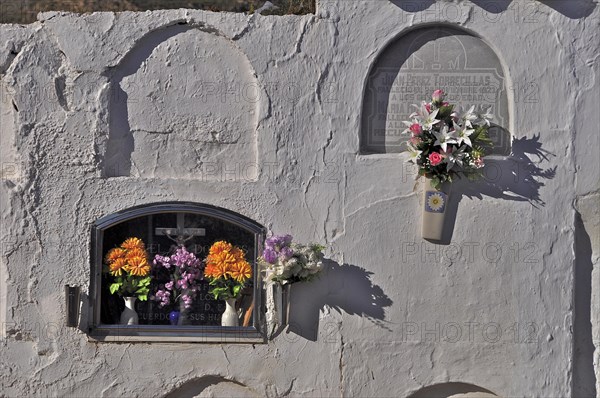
[{"x": 263, "y": 115}]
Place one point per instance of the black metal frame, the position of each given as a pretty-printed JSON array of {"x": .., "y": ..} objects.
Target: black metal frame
[{"x": 166, "y": 333}]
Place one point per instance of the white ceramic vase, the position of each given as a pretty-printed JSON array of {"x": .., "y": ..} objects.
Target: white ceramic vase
[
  {"x": 129, "y": 316},
  {"x": 435, "y": 203},
  {"x": 230, "y": 316}
]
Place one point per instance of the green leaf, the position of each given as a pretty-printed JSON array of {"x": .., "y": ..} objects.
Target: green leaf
[
  {"x": 142, "y": 290},
  {"x": 114, "y": 287},
  {"x": 143, "y": 297},
  {"x": 444, "y": 112},
  {"x": 236, "y": 290},
  {"x": 218, "y": 292}
]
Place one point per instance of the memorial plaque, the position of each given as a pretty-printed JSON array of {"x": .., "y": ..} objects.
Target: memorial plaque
[{"x": 411, "y": 68}]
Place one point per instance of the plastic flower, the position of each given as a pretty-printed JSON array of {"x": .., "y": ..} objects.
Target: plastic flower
[
  {"x": 424, "y": 117},
  {"x": 487, "y": 117},
  {"x": 270, "y": 255},
  {"x": 444, "y": 137},
  {"x": 219, "y": 247},
  {"x": 460, "y": 138},
  {"x": 227, "y": 269},
  {"x": 133, "y": 253},
  {"x": 435, "y": 158},
  {"x": 287, "y": 262},
  {"x": 415, "y": 140},
  {"x": 138, "y": 266},
  {"x": 164, "y": 297},
  {"x": 133, "y": 243},
  {"x": 215, "y": 270},
  {"x": 454, "y": 157},
  {"x": 469, "y": 117},
  {"x": 241, "y": 271},
  {"x": 114, "y": 254},
  {"x": 183, "y": 269},
  {"x": 438, "y": 96},
  {"x": 412, "y": 127},
  {"x": 462, "y": 134},
  {"x": 116, "y": 267},
  {"x": 413, "y": 154},
  {"x": 128, "y": 265}
]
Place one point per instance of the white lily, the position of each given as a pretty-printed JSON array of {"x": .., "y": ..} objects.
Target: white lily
[
  {"x": 487, "y": 116},
  {"x": 454, "y": 157},
  {"x": 444, "y": 137},
  {"x": 413, "y": 154},
  {"x": 423, "y": 117},
  {"x": 469, "y": 117},
  {"x": 462, "y": 134}
]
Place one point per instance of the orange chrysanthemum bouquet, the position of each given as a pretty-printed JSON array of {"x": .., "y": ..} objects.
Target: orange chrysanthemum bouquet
[
  {"x": 129, "y": 267},
  {"x": 227, "y": 270}
]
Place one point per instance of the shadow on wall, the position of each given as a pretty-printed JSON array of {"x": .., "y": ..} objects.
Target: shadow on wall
[
  {"x": 413, "y": 6},
  {"x": 211, "y": 386},
  {"x": 453, "y": 390},
  {"x": 516, "y": 178},
  {"x": 120, "y": 144},
  {"x": 573, "y": 9},
  {"x": 342, "y": 287},
  {"x": 584, "y": 379}
]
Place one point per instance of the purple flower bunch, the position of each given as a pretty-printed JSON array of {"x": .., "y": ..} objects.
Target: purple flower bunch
[
  {"x": 184, "y": 272},
  {"x": 278, "y": 247},
  {"x": 286, "y": 262}
]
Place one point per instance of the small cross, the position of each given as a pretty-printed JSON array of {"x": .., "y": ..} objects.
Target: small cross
[{"x": 180, "y": 235}]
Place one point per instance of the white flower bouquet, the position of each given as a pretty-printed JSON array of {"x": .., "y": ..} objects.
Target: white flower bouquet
[{"x": 286, "y": 262}]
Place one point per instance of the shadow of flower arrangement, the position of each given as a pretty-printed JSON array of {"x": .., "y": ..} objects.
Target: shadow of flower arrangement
[
  {"x": 517, "y": 177},
  {"x": 341, "y": 287}
]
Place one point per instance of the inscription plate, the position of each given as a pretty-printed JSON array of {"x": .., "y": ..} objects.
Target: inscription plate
[{"x": 410, "y": 69}]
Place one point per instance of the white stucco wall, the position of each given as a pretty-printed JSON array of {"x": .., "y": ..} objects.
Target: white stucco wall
[{"x": 88, "y": 103}]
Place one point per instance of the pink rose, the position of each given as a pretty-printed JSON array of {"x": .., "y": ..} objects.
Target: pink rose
[
  {"x": 479, "y": 163},
  {"x": 416, "y": 129},
  {"x": 435, "y": 158},
  {"x": 415, "y": 140},
  {"x": 437, "y": 96}
]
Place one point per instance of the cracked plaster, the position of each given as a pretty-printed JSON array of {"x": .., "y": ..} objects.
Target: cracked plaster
[{"x": 312, "y": 182}]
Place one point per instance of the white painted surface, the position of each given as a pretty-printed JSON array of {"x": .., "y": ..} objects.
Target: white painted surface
[{"x": 394, "y": 313}]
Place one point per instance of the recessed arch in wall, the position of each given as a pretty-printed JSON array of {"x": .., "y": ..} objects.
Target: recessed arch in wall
[
  {"x": 183, "y": 102},
  {"x": 415, "y": 64}
]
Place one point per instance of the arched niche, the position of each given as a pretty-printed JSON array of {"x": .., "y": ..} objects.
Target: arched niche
[
  {"x": 453, "y": 390},
  {"x": 183, "y": 104},
  {"x": 409, "y": 69}
]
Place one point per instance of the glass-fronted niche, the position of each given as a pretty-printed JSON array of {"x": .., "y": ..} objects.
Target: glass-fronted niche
[{"x": 159, "y": 250}]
